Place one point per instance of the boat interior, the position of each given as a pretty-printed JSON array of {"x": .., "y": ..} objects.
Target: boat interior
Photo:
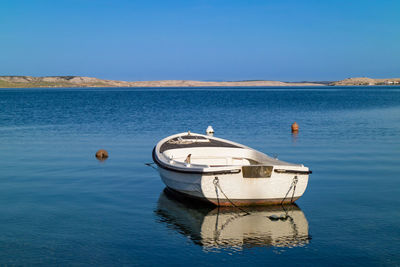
[
  {"x": 220, "y": 156},
  {"x": 204, "y": 151}
]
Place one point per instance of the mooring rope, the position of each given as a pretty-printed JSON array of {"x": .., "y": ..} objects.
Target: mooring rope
[
  {"x": 218, "y": 230},
  {"x": 295, "y": 180},
  {"x": 150, "y": 164},
  {"x": 272, "y": 217},
  {"x": 217, "y": 185},
  {"x": 294, "y": 183}
]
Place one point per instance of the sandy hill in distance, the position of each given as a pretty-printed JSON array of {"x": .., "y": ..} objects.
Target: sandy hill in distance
[
  {"x": 367, "y": 81},
  {"x": 78, "y": 81}
]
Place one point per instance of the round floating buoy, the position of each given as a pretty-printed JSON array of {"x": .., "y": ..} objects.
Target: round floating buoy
[
  {"x": 210, "y": 130},
  {"x": 101, "y": 154},
  {"x": 295, "y": 127}
]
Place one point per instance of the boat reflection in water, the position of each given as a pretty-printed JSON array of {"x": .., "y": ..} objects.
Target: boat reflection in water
[{"x": 228, "y": 227}]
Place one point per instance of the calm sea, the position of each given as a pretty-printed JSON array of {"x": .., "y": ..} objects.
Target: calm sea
[{"x": 60, "y": 206}]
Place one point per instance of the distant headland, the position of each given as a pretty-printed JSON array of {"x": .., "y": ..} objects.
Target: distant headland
[{"x": 78, "y": 81}]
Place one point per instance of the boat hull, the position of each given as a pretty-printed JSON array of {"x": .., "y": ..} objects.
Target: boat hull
[
  {"x": 233, "y": 189},
  {"x": 237, "y": 202}
]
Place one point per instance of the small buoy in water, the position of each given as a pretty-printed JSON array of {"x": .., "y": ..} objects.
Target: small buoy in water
[
  {"x": 295, "y": 127},
  {"x": 210, "y": 130},
  {"x": 101, "y": 154}
]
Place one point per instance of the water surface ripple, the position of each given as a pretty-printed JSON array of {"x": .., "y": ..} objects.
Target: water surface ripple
[{"x": 60, "y": 206}]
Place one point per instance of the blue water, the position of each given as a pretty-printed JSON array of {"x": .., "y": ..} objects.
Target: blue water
[{"x": 60, "y": 206}]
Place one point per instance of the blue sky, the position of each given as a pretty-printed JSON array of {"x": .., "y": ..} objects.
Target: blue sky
[{"x": 201, "y": 40}]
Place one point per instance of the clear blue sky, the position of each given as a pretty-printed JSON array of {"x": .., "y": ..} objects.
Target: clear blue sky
[{"x": 201, "y": 40}]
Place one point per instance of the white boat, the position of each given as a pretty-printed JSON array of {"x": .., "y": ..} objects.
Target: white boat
[
  {"x": 226, "y": 173},
  {"x": 228, "y": 227}
]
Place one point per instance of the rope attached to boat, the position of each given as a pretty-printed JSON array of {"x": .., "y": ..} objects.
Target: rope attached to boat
[
  {"x": 218, "y": 231},
  {"x": 272, "y": 217},
  {"x": 293, "y": 185},
  {"x": 287, "y": 216},
  {"x": 150, "y": 164},
  {"x": 218, "y": 186}
]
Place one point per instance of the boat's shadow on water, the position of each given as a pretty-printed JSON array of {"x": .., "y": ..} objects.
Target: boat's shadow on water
[{"x": 227, "y": 227}]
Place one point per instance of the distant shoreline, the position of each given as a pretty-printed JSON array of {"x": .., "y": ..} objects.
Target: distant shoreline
[{"x": 83, "y": 82}]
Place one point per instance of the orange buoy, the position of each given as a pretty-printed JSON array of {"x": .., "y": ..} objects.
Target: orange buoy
[
  {"x": 295, "y": 127},
  {"x": 101, "y": 154}
]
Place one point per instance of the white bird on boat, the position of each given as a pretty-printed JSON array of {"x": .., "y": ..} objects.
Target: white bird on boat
[{"x": 226, "y": 173}]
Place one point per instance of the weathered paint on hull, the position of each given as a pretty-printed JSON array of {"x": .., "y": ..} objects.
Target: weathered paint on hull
[{"x": 237, "y": 202}]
